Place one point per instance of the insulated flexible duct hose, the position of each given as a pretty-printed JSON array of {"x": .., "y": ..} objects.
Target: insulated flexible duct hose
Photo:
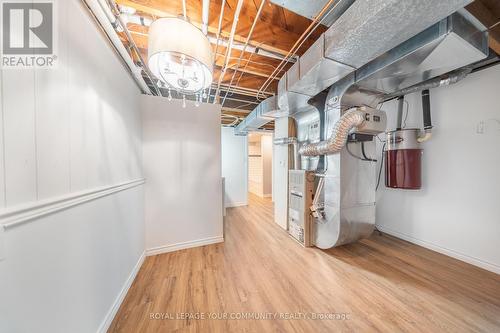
[{"x": 338, "y": 139}]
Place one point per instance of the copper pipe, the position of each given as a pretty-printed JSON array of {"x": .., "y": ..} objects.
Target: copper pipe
[
  {"x": 229, "y": 48},
  {"x": 296, "y": 46},
  {"x": 259, "y": 11}
]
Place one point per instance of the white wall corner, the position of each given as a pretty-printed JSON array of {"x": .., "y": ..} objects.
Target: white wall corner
[
  {"x": 236, "y": 204},
  {"x": 108, "y": 319},
  {"x": 184, "y": 245}
]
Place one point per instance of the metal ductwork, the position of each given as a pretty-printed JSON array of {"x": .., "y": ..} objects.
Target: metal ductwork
[
  {"x": 370, "y": 28},
  {"x": 349, "y": 120},
  {"x": 375, "y": 50},
  {"x": 366, "y": 30},
  {"x": 346, "y": 209},
  {"x": 448, "y": 45},
  {"x": 262, "y": 114},
  {"x": 310, "y": 9}
]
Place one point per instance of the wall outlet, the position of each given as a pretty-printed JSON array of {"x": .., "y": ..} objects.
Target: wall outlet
[{"x": 480, "y": 127}]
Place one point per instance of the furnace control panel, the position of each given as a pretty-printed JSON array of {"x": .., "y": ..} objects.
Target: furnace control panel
[{"x": 375, "y": 121}]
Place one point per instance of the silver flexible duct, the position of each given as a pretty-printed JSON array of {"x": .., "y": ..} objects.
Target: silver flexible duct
[{"x": 338, "y": 139}]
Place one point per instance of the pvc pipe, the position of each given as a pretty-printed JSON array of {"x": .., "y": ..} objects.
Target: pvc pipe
[
  {"x": 401, "y": 101},
  {"x": 246, "y": 44},
  {"x": 204, "y": 16},
  {"x": 96, "y": 6},
  {"x": 229, "y": 48}
]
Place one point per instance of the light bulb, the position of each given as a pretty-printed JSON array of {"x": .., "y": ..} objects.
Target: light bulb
[
  {"x": 169, "y": 95},
  {"x": 184, "y": 101}
]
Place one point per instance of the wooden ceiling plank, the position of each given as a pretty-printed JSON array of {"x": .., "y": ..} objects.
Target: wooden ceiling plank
[
  {"x": 267, "y": 35},
  {"x": 488, "y": 18}
]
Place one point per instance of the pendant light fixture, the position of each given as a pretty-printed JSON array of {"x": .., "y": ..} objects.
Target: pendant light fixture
[{"x": 180, "y": 56}]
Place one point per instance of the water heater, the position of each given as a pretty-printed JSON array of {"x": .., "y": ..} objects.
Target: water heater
[{"x": 403, "y": 159}]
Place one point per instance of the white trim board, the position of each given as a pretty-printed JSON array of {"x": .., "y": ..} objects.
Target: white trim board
[
  {"x": 450, "y": 253},
  {"x": 26, "y": 212},
  {"x": 108, "y": 319},
  {"x": 236, "y": 204},
  {"x": 184, "y": 245}
]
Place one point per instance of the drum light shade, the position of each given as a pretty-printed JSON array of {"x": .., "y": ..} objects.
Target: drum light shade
[{"x": 179, "y": 55}]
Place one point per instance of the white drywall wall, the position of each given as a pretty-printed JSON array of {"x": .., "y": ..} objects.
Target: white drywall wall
[
  {"x": 65, "y": 272},
  {"x": 457, "y": 212},
  {"x": 234, "y": 167},
  {"x": 280, "y": 180},
  {"x": 260, "y": 160},
  {"x": 69, "y": 129},
  {"x": 182, "y": 167},
  {"x": 266, "y": 143}
]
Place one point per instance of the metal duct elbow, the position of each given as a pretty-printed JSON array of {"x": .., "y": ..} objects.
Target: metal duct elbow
[{"x": 338, "y": 139}]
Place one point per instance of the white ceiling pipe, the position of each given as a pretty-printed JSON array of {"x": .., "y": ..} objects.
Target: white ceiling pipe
[
  {"x": 136, "y": 19},
  {"x": 109, "y": 14},
  {"x": 184, "y": 12},
  {"x": 219, "y": 28},
  {"x": 245, "y": 46},
  {"x": 204, "y": 16},
  {"x": 96, "y": 6},
  {"x": 229, "y": 48},
  {"x": 116, "y": 11}
]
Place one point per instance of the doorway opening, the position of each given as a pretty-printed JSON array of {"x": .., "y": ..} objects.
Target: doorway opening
[{"x": 260, "y": 164}]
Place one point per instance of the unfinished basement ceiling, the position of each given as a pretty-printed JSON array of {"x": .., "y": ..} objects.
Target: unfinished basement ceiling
[{"x": 277, "y": 29}]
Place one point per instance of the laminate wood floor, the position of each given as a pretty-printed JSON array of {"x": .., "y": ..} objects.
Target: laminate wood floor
[{"x": 378, "y": 284}]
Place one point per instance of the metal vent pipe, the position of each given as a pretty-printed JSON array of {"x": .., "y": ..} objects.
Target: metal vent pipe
[{"x": 352, "y": 118}]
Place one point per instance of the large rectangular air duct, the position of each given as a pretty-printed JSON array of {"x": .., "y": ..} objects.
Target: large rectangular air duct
[
  {"x": 365, "y": 31},
  {"x": 370, "y": 28},
  {"x": 445, "y": 46},
  {"x": 258, "y": 117},
  {"x": 311, "y": 9}
]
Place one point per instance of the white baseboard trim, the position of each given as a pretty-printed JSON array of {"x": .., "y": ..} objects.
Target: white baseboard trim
[
  {"x": 236, "y": 204},
  {"x": 185, "y": 245},
  {"x": 103, "y": 328},
  {"x": 451, "y": 253}
]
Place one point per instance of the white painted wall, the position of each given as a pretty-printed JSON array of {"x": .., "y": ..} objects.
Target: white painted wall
[
  {"x": 182, "y": 166},
  {"x": 280, "y": 180},
  {"x": 457, "y": 212},
  {"x": 67, "y": 130},
  {"x": 266, "y": 143},
  {"x": 234, "y": 167},
  {"x": 260, "y": 159}
]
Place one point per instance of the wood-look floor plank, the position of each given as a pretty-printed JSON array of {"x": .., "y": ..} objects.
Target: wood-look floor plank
[{"x": 381, "y": 283}]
